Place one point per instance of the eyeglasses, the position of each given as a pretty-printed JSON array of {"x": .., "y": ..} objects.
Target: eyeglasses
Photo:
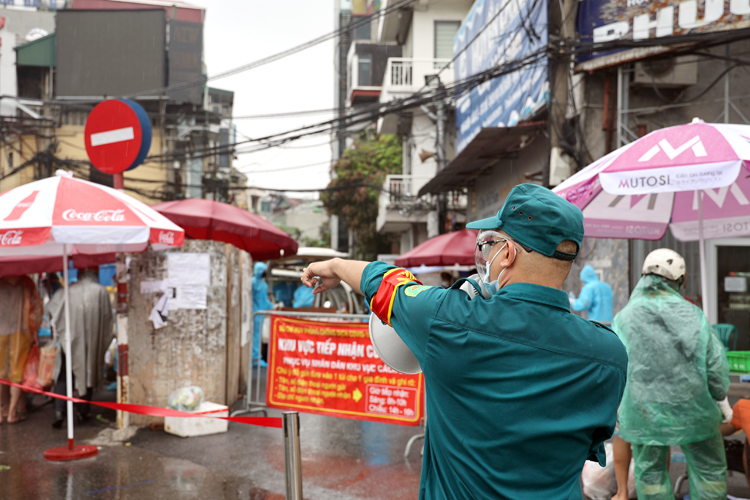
[{"x": 485, "y": 247}]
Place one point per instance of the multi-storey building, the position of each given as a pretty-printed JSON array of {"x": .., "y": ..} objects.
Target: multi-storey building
[
  {"x": 97, "y": 49},
  {"x": 425, "y": 30}
]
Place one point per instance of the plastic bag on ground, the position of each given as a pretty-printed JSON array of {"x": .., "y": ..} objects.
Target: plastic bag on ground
[
  {"x": 186, "y": 398},
  {"x": 31, "y": 369},
  {"x": 47, "y": 364}
]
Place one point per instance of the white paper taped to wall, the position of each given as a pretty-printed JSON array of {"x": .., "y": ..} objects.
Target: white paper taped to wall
[
  {"x": 152, "y": 286},
  {"x": 188, "y": 297},
  {"x": 189, "y": 269}
]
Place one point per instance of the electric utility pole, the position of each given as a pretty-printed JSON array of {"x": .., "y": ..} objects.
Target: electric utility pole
[{"x": 562, "y": 28}]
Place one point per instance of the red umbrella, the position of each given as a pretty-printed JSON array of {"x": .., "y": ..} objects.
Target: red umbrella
[
  {"x": 444, "y": 250},
  {"x": 16, "y": 266},
  {"x": 215, "y": 221}
]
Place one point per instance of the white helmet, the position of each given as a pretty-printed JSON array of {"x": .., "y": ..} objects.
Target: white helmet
[{"x": 666, "y": 263}]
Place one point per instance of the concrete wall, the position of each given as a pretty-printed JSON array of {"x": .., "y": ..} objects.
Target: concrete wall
[
  {"x": 309, "y": 223},
  {"x": 491, "y": 189},
  {"x": 198, "y": 346},
  {"x": 610, "y": 260},
  {"x": 422, "y": 137},
  {"x": 22, "y": 149},
  {"x": 21, "y": 22}
]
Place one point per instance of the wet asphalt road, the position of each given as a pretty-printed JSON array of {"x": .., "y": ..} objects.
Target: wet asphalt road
[{"x": 341, "y": 460}]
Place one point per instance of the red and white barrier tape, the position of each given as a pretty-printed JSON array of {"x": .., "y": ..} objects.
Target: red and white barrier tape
[{"x": 153, "y": 411}]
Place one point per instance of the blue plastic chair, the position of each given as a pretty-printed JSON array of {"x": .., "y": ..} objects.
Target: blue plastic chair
[{"x": 726, "y": 332}]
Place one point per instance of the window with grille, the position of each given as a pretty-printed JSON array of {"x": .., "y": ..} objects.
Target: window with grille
[{"x": 445, "y": 31}]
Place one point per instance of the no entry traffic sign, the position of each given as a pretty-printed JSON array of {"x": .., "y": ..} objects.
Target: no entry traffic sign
[{"x": 117, "y": 135}]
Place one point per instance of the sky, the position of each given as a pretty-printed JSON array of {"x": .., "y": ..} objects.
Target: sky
[{"x": 238, "y": 32}]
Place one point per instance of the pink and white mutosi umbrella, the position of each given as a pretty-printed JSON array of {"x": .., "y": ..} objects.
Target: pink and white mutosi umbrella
[
  {"x": 61, "y": 215},
  {"x": 639, "y": 190}
]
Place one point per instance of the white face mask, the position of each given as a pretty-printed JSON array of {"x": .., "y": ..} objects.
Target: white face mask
[
  {"x": 482, "y": 253},
  {"x": 493, "y": 286}
]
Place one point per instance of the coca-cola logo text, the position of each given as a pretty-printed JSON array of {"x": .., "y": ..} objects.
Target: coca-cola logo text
[
  {"x": 10, "y": 238},
  {"x": 166, "y": 238},
  {"x": 100, "y": 216}
]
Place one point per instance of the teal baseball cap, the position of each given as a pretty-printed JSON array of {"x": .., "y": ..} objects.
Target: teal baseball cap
[{"x": 539, "y": 219}]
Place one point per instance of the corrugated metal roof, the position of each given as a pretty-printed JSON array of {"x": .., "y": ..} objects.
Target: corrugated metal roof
[{"x": 40, "y": 52}]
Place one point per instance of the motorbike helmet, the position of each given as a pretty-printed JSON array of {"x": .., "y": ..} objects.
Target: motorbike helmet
[{"x": 666, "y": 263}]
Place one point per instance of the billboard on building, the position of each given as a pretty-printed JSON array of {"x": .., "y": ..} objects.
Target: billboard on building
[
  {"x": 608, "y": 20},
  {"x": 110, "y": 52},
  {"x": 494, "y": 33},
  {"x": 185, "y": 60}
]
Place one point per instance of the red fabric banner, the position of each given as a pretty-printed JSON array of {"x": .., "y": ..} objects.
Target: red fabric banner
[
  {"x": 153, "y": 411},
  {"x": 332, "y": 369}
]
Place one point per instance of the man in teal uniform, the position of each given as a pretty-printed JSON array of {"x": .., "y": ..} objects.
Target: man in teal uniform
[{"x": 519, "y": 391}]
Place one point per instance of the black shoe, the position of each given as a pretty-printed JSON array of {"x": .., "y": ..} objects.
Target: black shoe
[
  {"x": 59, "y": 419},
  {"x": 82, "y": 417}
]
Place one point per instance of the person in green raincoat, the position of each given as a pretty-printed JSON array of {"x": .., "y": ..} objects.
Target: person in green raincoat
[{"x": 677, "y": 374}]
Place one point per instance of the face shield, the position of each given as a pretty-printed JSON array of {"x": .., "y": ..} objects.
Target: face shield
[{"x": 486, "y": 250}]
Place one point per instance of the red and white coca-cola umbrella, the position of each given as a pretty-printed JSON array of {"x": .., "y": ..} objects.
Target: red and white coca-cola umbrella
[
  {"x": 41, "y": 217},
  {"x": 59, "y": 216}
]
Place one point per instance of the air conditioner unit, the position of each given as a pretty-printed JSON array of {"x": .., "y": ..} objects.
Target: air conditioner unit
[
  {"x": 561, "y": 166},
  {"x": 674, "y": 72}
]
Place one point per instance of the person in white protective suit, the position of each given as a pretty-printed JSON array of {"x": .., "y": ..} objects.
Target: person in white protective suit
[{"x": 678, "y": 377}]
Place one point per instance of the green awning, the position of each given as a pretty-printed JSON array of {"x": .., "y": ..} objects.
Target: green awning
[{"x": 40, "y": 52}]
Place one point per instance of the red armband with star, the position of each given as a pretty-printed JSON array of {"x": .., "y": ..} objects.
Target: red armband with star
[{"x": 382, "y": 302}]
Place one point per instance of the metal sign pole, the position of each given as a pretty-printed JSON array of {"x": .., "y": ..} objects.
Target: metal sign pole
[{"x": 292, "y": 456}]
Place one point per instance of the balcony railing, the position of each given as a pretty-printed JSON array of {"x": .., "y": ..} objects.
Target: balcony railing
[
  {"x": 405, "y": 74},
  {"x": 401, "y": 188}
]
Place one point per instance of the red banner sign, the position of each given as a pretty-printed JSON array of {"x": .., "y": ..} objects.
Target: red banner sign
[{"x": 332, "y": 369}]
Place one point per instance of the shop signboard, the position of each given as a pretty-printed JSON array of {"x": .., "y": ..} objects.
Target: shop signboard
[
  {"x": 608, "y": 20},
  {"x": 331, "y": 368},
  {"x": 495, "y": 33}
]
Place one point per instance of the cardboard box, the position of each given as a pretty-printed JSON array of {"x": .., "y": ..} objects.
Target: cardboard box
[{"x": 187, "y": 426}]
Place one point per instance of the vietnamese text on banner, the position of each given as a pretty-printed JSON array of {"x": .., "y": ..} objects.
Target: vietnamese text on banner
[{"x": 332, "y": 369}]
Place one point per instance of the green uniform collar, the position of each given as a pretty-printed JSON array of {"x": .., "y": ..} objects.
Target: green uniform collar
[{"x": 530, "y": 292}]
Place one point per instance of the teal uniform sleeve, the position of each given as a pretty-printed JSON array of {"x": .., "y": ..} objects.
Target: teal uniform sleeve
[
  {"x": 414, "y": 306},
  {"x": 615, "y": 381}
]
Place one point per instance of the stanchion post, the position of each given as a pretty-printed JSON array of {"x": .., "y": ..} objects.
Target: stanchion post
[{"x": 292, "y": 456}]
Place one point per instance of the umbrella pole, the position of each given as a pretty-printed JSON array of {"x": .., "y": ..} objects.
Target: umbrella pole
[
  {"x": 702, "y": 254},
  {"x": 70, "y": 452},
  {"x": 68, "y": 363}
]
